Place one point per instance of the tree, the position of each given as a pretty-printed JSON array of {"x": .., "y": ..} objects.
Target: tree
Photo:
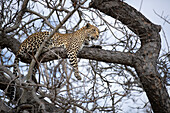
[{"x": 131, "y": 62}]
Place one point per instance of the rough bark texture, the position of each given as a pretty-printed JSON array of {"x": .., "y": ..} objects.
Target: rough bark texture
[
  {"x": 144, "y": 60},
  {"x": 88, "y": 53},
  {"x": 146, "y": 57},
  {"x": 30, "y": 103},
  {"x": 9, "y": 42}
]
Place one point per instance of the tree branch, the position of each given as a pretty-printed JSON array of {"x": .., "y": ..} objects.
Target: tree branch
[
  {"x": 6, "y": 41},
  {"x": 19, "y": 17},
  {"x": 146, "y": 57},
  {"x": 128, "y": 15},
  {"x": 48, "y": 38},
  {"x": 3, "y": 85}
]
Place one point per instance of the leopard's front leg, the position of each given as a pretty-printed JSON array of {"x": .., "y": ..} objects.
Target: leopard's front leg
[{"x": 72, "y": 55}]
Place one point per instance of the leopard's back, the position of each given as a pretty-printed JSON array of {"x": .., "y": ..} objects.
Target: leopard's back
[
  {"x": 72, "y": 42},
  {"x": 32, "y": 43}
]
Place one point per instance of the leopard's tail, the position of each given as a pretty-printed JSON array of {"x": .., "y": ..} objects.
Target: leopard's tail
[{"x": 12, "y": 86}]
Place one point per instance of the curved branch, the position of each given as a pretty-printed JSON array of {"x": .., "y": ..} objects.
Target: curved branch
[
  {"x": 19, "y": 17},
  {"x": 146, "y": 57},
  {"x": 4, "y": 84},
  {"x": 87, "y": 53},
  {"x": 48, "y": 38},
  {"x": 9, "y": 42},
  {"x": 41, "y": 16},
  {"x": 128, "y": 15}
]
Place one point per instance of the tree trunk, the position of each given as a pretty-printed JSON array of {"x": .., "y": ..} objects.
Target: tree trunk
[{"x": 145, "y": 62}]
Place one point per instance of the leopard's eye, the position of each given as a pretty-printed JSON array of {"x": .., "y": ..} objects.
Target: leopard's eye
[{"x": 94, "y": 30}]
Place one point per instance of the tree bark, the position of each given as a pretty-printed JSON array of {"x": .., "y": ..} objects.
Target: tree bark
[
  {"x": 145, "y": 61},
  {"x": 30, "y": 104}
]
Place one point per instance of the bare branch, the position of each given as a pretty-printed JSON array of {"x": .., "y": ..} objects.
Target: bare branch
[
  {"x": 19, "y": 17},
  {"x": 41, "y": 16},
  {"x": 147, "y": 55},
  {"x": 43, "y": 44},
  {"x": 161, "y": 17}
]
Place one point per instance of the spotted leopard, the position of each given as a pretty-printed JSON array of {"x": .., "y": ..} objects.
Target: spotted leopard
[{"x": 72, "y": 42}]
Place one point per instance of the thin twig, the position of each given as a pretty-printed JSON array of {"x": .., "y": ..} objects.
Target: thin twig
[
  {"x": 48, "y": 38},
  {"x": 161, "y": 17}
]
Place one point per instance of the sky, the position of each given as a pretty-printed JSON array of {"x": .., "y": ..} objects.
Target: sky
[
  {"x": 147, "y": 8},
  {"x": 161, "y": 7}
]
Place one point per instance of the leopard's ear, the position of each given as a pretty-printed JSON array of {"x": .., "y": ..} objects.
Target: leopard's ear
[{"x": 88, "y": 25}]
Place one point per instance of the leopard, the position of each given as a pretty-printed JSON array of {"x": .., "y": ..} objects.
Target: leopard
[{"x": 72, "y": 42}]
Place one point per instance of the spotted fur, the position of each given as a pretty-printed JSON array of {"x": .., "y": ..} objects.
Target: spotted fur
[{"x": 72, "y": 42}]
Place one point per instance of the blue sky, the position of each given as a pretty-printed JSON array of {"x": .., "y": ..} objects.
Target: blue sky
[
  {"x": 147, "y": 9},
  {"x": 161, "y": 7}
]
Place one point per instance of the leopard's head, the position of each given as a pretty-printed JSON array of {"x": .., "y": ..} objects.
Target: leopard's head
[{"x": 92, "y": 32}]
